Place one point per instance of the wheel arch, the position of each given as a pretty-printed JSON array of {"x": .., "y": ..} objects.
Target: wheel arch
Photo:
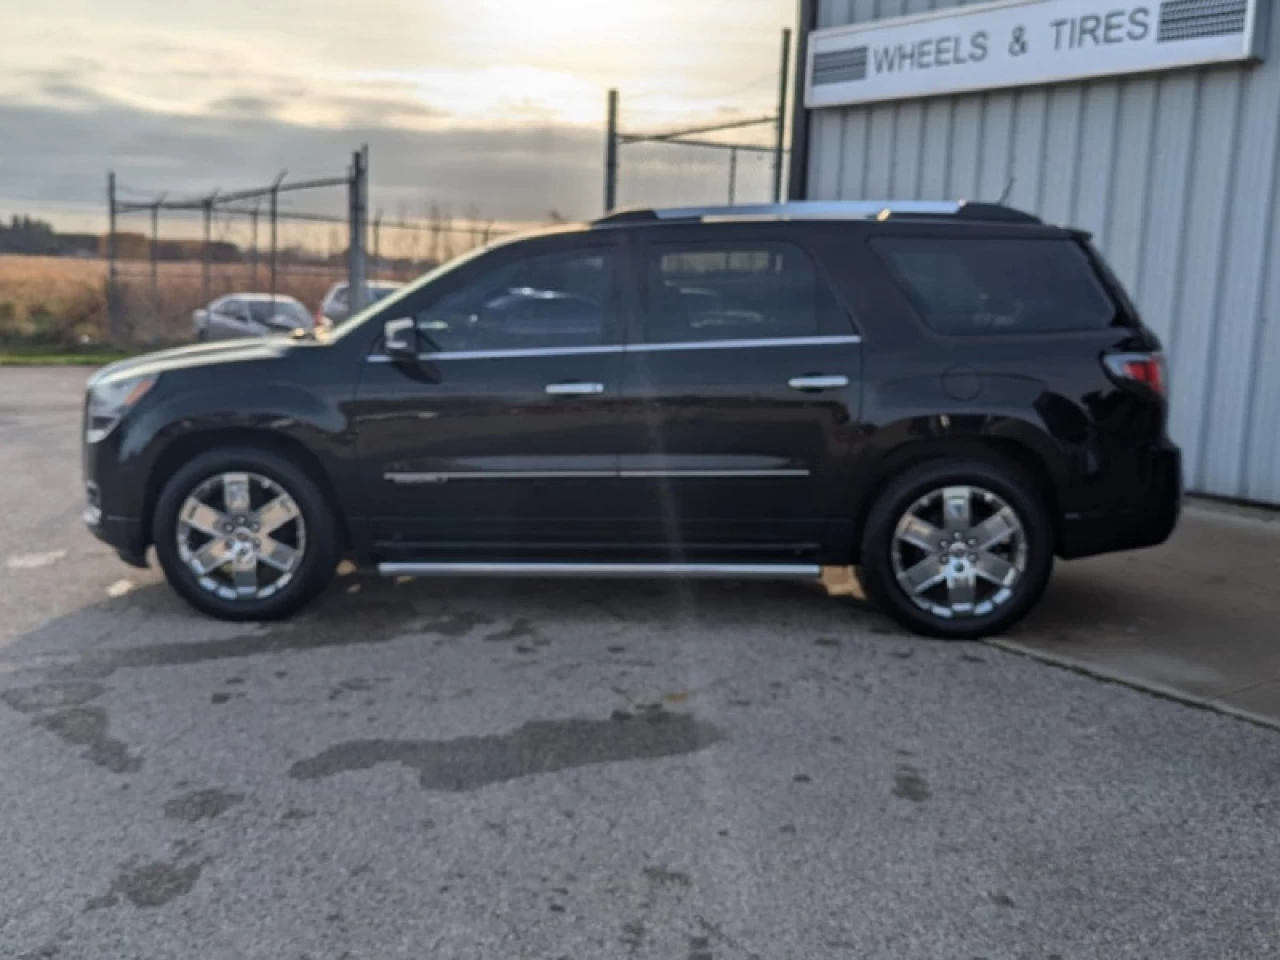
[
  {"x": 1007, "y": 442},
  {"x": 186, "y": 447}
]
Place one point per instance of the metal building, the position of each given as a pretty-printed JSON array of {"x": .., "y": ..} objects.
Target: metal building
[{"x": 1155, "y": 125}]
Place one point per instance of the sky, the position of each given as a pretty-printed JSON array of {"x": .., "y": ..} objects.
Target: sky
[{"x": 496, "y": 105}]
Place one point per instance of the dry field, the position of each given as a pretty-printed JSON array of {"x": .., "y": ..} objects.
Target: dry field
[{"x": 62, "y": 301}]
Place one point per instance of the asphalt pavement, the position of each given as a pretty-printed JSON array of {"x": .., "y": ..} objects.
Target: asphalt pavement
[{"x": 586, "y": 770}]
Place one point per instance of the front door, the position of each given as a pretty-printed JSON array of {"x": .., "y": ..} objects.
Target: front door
[
  {"x": 498, "y": 443},
  {"x": 739, "y": 403}
]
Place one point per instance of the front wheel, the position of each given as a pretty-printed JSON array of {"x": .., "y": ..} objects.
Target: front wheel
[
  {"x": 245, "y": 534},
  {"x": 958, "y": 549}
]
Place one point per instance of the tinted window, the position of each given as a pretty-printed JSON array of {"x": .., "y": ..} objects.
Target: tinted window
[
  {"x": 997, "y": 285},
  {"x": 546, "y": 301},
  {"x": 719, "y": 292}
]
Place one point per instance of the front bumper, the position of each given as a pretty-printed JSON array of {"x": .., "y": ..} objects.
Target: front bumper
[
  {"x": 1149, "y": 523},
  {"x": 123, "y": 534}
]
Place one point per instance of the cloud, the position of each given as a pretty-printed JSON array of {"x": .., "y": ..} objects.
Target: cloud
[
  {"x": 244, "y": 105},
  {"x": 62, "y": 155}
]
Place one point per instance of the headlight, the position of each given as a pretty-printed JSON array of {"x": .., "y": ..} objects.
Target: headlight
[{"x": 110, "y": 401}]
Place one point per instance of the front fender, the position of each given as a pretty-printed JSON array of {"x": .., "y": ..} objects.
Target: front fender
[{"x": 296, "y": 415}]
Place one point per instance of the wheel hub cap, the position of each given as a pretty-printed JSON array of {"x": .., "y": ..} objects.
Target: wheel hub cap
[
  {"x": 241, "y": 535},
  {"x": 959, "y": 551}
]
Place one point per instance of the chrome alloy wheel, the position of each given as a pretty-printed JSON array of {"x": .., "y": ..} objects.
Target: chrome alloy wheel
[
  {"x": 959, "y": 552},
  {"x": 241, "y": 535}
]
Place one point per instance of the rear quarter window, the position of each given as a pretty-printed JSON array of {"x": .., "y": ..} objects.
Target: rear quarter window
[{"x": 984, "y": 286}]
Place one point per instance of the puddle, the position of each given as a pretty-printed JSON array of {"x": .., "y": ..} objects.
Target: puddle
[{"x": 545, "y": 746}]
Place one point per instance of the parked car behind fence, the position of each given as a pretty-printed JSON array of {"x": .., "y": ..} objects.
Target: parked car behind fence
[{"x": 250, "y": 315}]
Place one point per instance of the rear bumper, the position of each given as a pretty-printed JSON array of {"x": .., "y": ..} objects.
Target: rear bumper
[{"x": 1150, "y": 521}]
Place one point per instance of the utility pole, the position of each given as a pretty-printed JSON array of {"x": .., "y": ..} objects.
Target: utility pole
[
  {"x": 611, "y": 155},
  {"x": 779, "y": 148},
  {"x": 733, "y": 175}
]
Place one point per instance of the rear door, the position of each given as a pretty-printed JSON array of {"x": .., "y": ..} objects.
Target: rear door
[{"x": 740, "y": 398}]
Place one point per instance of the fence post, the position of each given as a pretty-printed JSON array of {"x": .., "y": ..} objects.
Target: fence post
[
  {"x": 253, "y": 242},
  {"x": 611, "y": 155},
  {"x": 377, "y": 245},
  {"x": 357, "y": 266},
  {"x": 207, "y": 206},
  {"x": 275, "y": 220},
  {"x": 113, "y": 312},
  {"x": 779, "y": 148},
  {"x": 733, "y": 174},
  {"x": 155, "y": 251}
]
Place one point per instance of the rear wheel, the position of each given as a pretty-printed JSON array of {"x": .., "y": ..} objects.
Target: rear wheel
[
  {"x": 245, "y": 534},
  {"x": 958, "y": 549}
]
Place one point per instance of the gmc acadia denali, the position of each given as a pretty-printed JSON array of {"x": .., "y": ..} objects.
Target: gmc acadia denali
[{"x": 946, "y": 395}]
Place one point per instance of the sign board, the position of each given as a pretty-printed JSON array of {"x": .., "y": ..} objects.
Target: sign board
[{"x": 1023, "y": 43}]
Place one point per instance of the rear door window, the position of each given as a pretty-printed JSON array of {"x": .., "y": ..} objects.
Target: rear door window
[
  {"x": 994, "y": 285},
  {"x": 708, "y": 292}
]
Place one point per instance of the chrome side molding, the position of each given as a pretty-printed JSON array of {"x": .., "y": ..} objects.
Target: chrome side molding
[{"x": 689, "y": 571}]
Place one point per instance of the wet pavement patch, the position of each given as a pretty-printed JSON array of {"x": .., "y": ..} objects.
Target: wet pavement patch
[
  {"x": 908, "y": 784},
  {"x": 87, "y": 727},
  {"x": 519, "y": 630},
  {"x": 378, "y": 624},
  {"x": 52, "y": 696},
  {"x": 546, "y": 746},
  {"x": 151, "y": 885},
  {"x": 201, "y": 805}
]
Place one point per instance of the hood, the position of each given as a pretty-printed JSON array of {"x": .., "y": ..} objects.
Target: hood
[{"x": 197, "y": 355}]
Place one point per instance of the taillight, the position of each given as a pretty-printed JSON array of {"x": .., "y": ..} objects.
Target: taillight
[{"x": 1144, "y": 368}]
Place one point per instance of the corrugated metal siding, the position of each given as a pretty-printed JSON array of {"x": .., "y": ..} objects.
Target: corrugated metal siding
[{"x": 1178, "y": 176}]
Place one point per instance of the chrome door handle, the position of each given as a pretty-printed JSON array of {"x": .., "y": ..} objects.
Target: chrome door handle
[
  {"x": 818, "y": 382},
  {"x": 574, "y": 389}
]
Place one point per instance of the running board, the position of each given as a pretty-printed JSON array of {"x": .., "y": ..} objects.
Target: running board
[{"x": 684, "y": 571}]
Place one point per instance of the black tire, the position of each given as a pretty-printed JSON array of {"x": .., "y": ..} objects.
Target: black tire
[
  {"x": 322, "y": 546},
  {"x": 1004, "y": 480}
]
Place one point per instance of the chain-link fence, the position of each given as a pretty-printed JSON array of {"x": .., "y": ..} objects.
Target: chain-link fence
[{"x": 168, "y": 257}]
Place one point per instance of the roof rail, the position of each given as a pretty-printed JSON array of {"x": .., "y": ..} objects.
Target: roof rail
[{"x": 827, "y": 210}]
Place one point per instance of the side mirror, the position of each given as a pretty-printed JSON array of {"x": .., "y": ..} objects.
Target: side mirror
[{"x": 400, "y": 338}]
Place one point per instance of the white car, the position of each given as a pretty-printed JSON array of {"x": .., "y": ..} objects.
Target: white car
[
  {"x": 336, "y": 306},
  {"x": 250, "y": 315}
]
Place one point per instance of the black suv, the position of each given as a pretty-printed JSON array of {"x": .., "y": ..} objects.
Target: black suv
[{"x": 946, "y": 395}]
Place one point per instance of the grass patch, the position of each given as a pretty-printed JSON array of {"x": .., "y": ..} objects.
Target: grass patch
[{"x": 20, "y": 355}]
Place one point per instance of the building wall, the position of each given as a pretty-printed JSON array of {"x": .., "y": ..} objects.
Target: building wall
[{"x": 1176, "y": 174}]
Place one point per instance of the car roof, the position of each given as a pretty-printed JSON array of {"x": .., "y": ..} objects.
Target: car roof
[
  {"x": 828, "y": 210},
  {"x": 260, "y": 298}
]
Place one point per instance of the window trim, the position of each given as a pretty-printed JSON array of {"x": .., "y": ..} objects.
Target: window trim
[{"x": 631, "y": 348}]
